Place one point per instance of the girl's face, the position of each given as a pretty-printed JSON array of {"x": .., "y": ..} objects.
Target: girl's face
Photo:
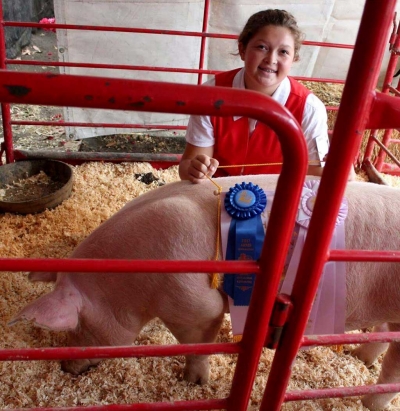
[{"x": 267, "y": 58}]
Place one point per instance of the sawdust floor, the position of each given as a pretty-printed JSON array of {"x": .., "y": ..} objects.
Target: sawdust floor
[{"x": 101, "y": 189}]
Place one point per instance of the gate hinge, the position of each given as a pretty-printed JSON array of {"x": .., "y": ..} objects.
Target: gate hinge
[{"x": 280, "y": 314}]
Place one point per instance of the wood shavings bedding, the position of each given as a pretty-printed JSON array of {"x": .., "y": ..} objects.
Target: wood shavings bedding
[{"x": 101, "y": 189}]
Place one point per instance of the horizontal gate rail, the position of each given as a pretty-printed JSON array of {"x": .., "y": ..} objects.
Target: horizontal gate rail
[
  {"x": 64, "y": 353},
  {"x": 340, "y": 392}
]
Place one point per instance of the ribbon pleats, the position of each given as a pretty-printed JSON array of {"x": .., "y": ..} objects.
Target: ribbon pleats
[{"x": 245, "y": 240}]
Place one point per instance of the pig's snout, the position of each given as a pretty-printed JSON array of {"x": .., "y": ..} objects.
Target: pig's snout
[{"x": 77, "y": 367}]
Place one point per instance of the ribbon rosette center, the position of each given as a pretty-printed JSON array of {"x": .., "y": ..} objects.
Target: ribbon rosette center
[{"x": 244, "y": 201}]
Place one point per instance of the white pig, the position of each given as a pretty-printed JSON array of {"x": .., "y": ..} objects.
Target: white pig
[{"x": 178, "y": 222}]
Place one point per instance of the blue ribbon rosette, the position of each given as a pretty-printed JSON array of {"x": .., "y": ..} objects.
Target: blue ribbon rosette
[{"x": 244, "y": 203}]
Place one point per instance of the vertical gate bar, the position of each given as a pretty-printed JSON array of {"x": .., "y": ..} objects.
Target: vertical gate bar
[
  {"x": 382, "y": 154},
  {"x": 203, "y": 39},
  {"x": 356, "y": 103},
  {"x": 273, "y": 255},
  {"x": 394, "y": 46},
  {"x": 5, "y": 107},
  {"x": 394, "y": 56}
]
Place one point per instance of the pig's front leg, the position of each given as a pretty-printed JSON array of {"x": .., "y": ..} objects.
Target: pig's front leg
[
  {"x": 390, "y": 374},
  {"x": 77, "y": 367},
  {"x": 368, "y": 353},
  {"x": 105, "y": 331}
]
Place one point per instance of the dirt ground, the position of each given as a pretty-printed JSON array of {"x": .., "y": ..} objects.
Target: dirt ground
[{"x": 43, "y": 47}]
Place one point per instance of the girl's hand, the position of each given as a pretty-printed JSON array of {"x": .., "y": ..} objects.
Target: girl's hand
[
  {"x": 201, "y": 167},
  {"x": 197, "y": 163}
]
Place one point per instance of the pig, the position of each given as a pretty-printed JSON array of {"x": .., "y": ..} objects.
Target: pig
[{"x": 179, "y": 222}]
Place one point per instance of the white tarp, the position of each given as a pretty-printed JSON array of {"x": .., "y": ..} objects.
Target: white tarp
[{"x": 334, "y": 21}]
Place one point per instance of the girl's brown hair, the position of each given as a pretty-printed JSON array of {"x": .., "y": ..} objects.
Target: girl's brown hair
[{"x": 272, "y": 17}]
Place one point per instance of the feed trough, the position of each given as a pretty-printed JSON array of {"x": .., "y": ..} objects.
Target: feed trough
[{"x": 32, "y": 186}]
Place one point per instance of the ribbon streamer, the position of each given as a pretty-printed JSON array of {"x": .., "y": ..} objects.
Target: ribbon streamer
[
  {"x": 244, "y": 203},
  {"x": 327, "y": 314}
]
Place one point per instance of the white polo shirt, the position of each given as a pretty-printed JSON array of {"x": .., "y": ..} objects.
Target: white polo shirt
[{"x": 200, "y": 131}]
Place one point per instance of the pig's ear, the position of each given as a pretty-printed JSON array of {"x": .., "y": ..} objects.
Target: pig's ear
[
  {"x": 42, "y": 276},
  {"x": 51, "y": 311}
]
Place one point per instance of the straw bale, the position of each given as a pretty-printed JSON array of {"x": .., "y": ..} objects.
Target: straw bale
[
  {"x": 101, "y": 189},
  {"x": 331, "y": 94}
]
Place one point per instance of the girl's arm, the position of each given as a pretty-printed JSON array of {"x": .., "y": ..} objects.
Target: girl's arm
[
  {"x": 315, "y": 129},
  {"x": 314, "y": 170}
]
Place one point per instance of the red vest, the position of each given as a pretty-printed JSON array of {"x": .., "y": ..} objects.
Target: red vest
[{"x": 233, "y": 144}]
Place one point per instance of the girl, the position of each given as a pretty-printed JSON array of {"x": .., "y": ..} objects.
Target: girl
[{"x": 268, "y": 46}]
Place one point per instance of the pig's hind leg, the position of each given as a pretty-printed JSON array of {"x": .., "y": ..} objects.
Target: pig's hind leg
[
  {"x": 390, "y": 373},
  {"x": 368, "y": 353},
  {"x": 197, "y": 367},
  {"x": 193, "y": 311}
]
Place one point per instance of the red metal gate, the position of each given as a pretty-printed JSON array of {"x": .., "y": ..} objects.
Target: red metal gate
[
  {"x": 161, "y": 160},
  {"x": 361, "y": 108}
]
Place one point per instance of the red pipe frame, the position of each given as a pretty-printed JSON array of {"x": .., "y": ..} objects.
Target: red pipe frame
[
  {"x": 379, "y": 163},
  {"x": 5, "y": 108},
  {"x": 359, "y": 100},
  {"x": 96, "y": 92}
]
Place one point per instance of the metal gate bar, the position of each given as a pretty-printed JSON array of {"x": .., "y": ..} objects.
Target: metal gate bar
[{"x": 361, "y": 107}]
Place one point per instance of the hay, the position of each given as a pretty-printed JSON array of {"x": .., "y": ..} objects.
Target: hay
[
  {"x": 331, "y": 94},
  {"x": 101, "y": 189}
]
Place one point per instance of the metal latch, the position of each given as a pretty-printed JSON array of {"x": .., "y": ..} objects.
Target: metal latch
[{"x": 280, "y": 314}]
